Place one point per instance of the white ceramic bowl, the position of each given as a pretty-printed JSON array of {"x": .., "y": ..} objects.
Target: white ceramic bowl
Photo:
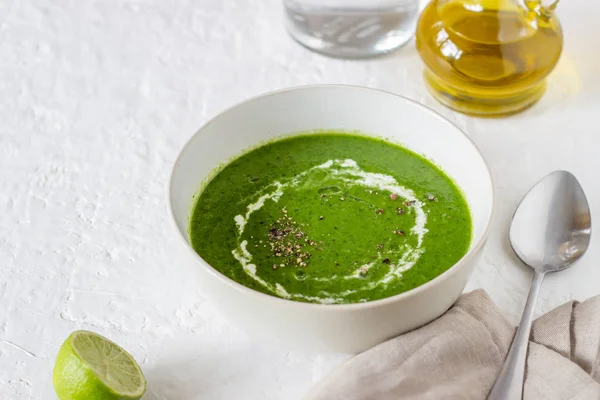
[{"x": 348, "y": 327}]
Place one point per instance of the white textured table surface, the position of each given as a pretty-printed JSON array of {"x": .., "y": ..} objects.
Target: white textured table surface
[{"x": 97, "y": 98}]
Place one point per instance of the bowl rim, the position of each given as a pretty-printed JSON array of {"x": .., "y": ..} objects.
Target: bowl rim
[{"x": 321, "y": 306}]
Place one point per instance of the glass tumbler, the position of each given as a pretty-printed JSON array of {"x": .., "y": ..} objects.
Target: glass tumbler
[{"x": 351, "y": 28}]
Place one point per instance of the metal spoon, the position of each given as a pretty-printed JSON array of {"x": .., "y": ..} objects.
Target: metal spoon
[{"x": 550, "y": 232}]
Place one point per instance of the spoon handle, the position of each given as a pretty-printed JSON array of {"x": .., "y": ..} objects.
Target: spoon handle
[{"x": 509, "y": 384}]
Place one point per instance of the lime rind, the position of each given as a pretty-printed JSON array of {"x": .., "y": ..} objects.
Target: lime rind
[{"x": 111, "y": 364}]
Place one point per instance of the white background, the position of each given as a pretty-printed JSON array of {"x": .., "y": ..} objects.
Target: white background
[{"x": 96, "y": 100}]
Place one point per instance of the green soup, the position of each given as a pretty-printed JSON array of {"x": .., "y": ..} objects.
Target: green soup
[{"x": 331, "y": 218}]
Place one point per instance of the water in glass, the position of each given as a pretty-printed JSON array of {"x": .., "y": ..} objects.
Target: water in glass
[{"x": 351, "y": 28}]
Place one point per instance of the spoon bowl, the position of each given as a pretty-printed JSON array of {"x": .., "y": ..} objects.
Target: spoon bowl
[{"x": 551, "y": 228}]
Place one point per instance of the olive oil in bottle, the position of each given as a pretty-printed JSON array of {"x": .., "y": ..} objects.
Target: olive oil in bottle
[{"x": 488, "y": 57}]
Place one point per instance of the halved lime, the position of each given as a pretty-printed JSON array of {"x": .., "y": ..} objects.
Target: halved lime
[{"x": 91, "y": 367}]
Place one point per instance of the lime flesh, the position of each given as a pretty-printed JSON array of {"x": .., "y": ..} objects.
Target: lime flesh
[{"x": 91, "y": 367}]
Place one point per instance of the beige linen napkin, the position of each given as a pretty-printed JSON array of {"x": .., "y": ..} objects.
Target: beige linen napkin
[{"x": 459, "y": 355}]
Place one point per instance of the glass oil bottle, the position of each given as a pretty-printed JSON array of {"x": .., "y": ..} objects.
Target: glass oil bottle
[{"x": 488, "y": 57}]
